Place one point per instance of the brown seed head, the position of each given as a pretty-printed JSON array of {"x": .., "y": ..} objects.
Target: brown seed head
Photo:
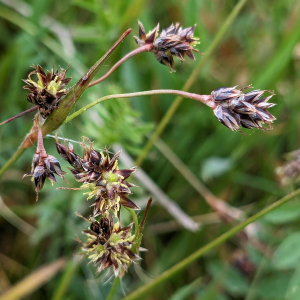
[
  {"x": 173, "y": 41},
  {"x": 236, "y": 109},
  {"x": 101, "y": 175},
  {"x": 43, "y": 166},
  {"x": 47, "y": 91},
  {"x": 109, "y": 245}
]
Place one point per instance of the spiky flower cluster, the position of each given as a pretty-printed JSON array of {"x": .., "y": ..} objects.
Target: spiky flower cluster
[
  {"x": 290, "y": 171},
  {"x": 100, "y": 173},
  {"x": 43, "y": 166},
  {"x": 235, "y": 108},
  {"x": 173, "y": 41},
  {"x": 109, "y": 245},
  {"x": 47, "y": 91}
]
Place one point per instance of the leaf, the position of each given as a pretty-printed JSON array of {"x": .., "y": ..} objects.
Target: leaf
[
  {"x": 234, "y": 282},
  {"x": 293, "y": 290},
  {"x": 186, "y": 291},
  {"x": 273, "y": 287},
  {"x": 284, "y": 214},
  {"x": 215, "y": 167},
  {"x": 33, "y": 281},
  {"x": 287, "y": 254}
]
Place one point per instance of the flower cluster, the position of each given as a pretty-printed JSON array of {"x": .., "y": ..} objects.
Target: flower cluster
[
  {"x": 100, "y": 173},
  {"x": 43, "y": 166},
  {"x": 109, "y": 245},
  {"x": 48, "y": 90},
  {"x": 235, "y": 108},
  {"x": 173, "y": 41}
]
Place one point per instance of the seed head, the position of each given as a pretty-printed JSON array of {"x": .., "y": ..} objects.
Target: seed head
[
  {"x": 43, "y": 166},
  {"x": 109, "y": 245},
  {"x": 47, "y": 91},
  {"x": 290, "y": 171},
  {"x": 173, "y": 41},
  {"x": 100, "y": 174},
  {"x": 235, "y": 108}
]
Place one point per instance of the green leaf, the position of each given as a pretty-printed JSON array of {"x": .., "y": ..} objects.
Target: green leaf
[
  {"x": 287, "y": 254},
  {"x": 293, "y": 290},
  {"x": 186, "y": 291},
  {"x": 234, "y": 282},
  {"x": 284, "y": 214},
  {"x": 273, "y": 287}
]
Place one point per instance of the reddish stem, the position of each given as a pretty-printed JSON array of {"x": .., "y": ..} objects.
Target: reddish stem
[
  {"x": 145, "y": 215},
  {"x": 40, "y": 147},
  {"x": 34, "y": 108},
  {"x": 144, "y": 48}
]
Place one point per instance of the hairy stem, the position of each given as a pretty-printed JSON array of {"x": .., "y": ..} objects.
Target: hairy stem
[
  {"x": 59, "y": 115},
  {"x": 190, "y": 81},
  {"x": 205, "y": 99},
  {"x": 113, "y": 288},
  {"x": 145, "y": 48},
  {"x": 34, "y": 108},
  {"x": 145, "y": 290}
]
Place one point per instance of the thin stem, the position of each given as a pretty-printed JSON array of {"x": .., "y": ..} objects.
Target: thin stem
[
  {"x": 145, "y": 48},
  {"x": 142, "y": 224},
  {"x": 193, "y": 77},
  {"x": 145, "y": 290},
  {"x": 113, "y": 288},
  {"x": 205, "y": 99},
  {"x": 135, "y": 220},
  {"x": 34, "y": 108}
]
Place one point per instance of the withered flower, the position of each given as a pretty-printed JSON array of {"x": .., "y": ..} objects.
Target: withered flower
[
  {"x": 290, "y": 171},
  {"x": 43, "y": 166},
  {"x": 100, "y": 174},
  {"x": 173, "y": 41},
  {"x": 47, "y": 91},
  {"x": 109, "y": 245},
  {"x": 235, "y": 108}
]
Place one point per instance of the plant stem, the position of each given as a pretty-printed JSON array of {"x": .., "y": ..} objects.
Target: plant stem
[
  {"x": 145, "y": 48},
  {"x": 205, "y": 99},
  {"x": 34, "y": 108},
  {"x": 59, "y": 115},
  {"x": 113, "y": 288},
  {"x": 135, "y": 220},
  {"x": 165, "y": 120},
  {"x": 145, "y": 290}
]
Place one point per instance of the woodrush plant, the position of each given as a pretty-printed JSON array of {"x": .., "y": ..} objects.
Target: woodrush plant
[{"x": 108, "y": 245}]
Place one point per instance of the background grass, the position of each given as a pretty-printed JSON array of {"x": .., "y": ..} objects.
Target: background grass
[{"x": 261, "y": 47}]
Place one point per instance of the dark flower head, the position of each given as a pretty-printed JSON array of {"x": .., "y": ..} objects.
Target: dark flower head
[
  {"x": 236, "y": 109},
  {"x": 47, "y": 91},
  {"x": 109, "y": 245},
  {"x": 100, "y": 173},
  {"x": 173, "y": 41},
  {"x": 43, "y": 166},
  {"x": 146, "y": 38}
]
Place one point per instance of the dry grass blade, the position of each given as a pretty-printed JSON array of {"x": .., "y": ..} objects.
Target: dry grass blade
[
  {"x": 12, "y": 218},
  {"x": 161, "y": 197},
  {"x": 33, "y": 281}
]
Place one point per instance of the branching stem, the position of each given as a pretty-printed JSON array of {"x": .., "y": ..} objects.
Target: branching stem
[{"x": 145, "y": 48}]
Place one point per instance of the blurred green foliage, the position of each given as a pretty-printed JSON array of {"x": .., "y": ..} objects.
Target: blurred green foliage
[{"x": 261, "y": 47}]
